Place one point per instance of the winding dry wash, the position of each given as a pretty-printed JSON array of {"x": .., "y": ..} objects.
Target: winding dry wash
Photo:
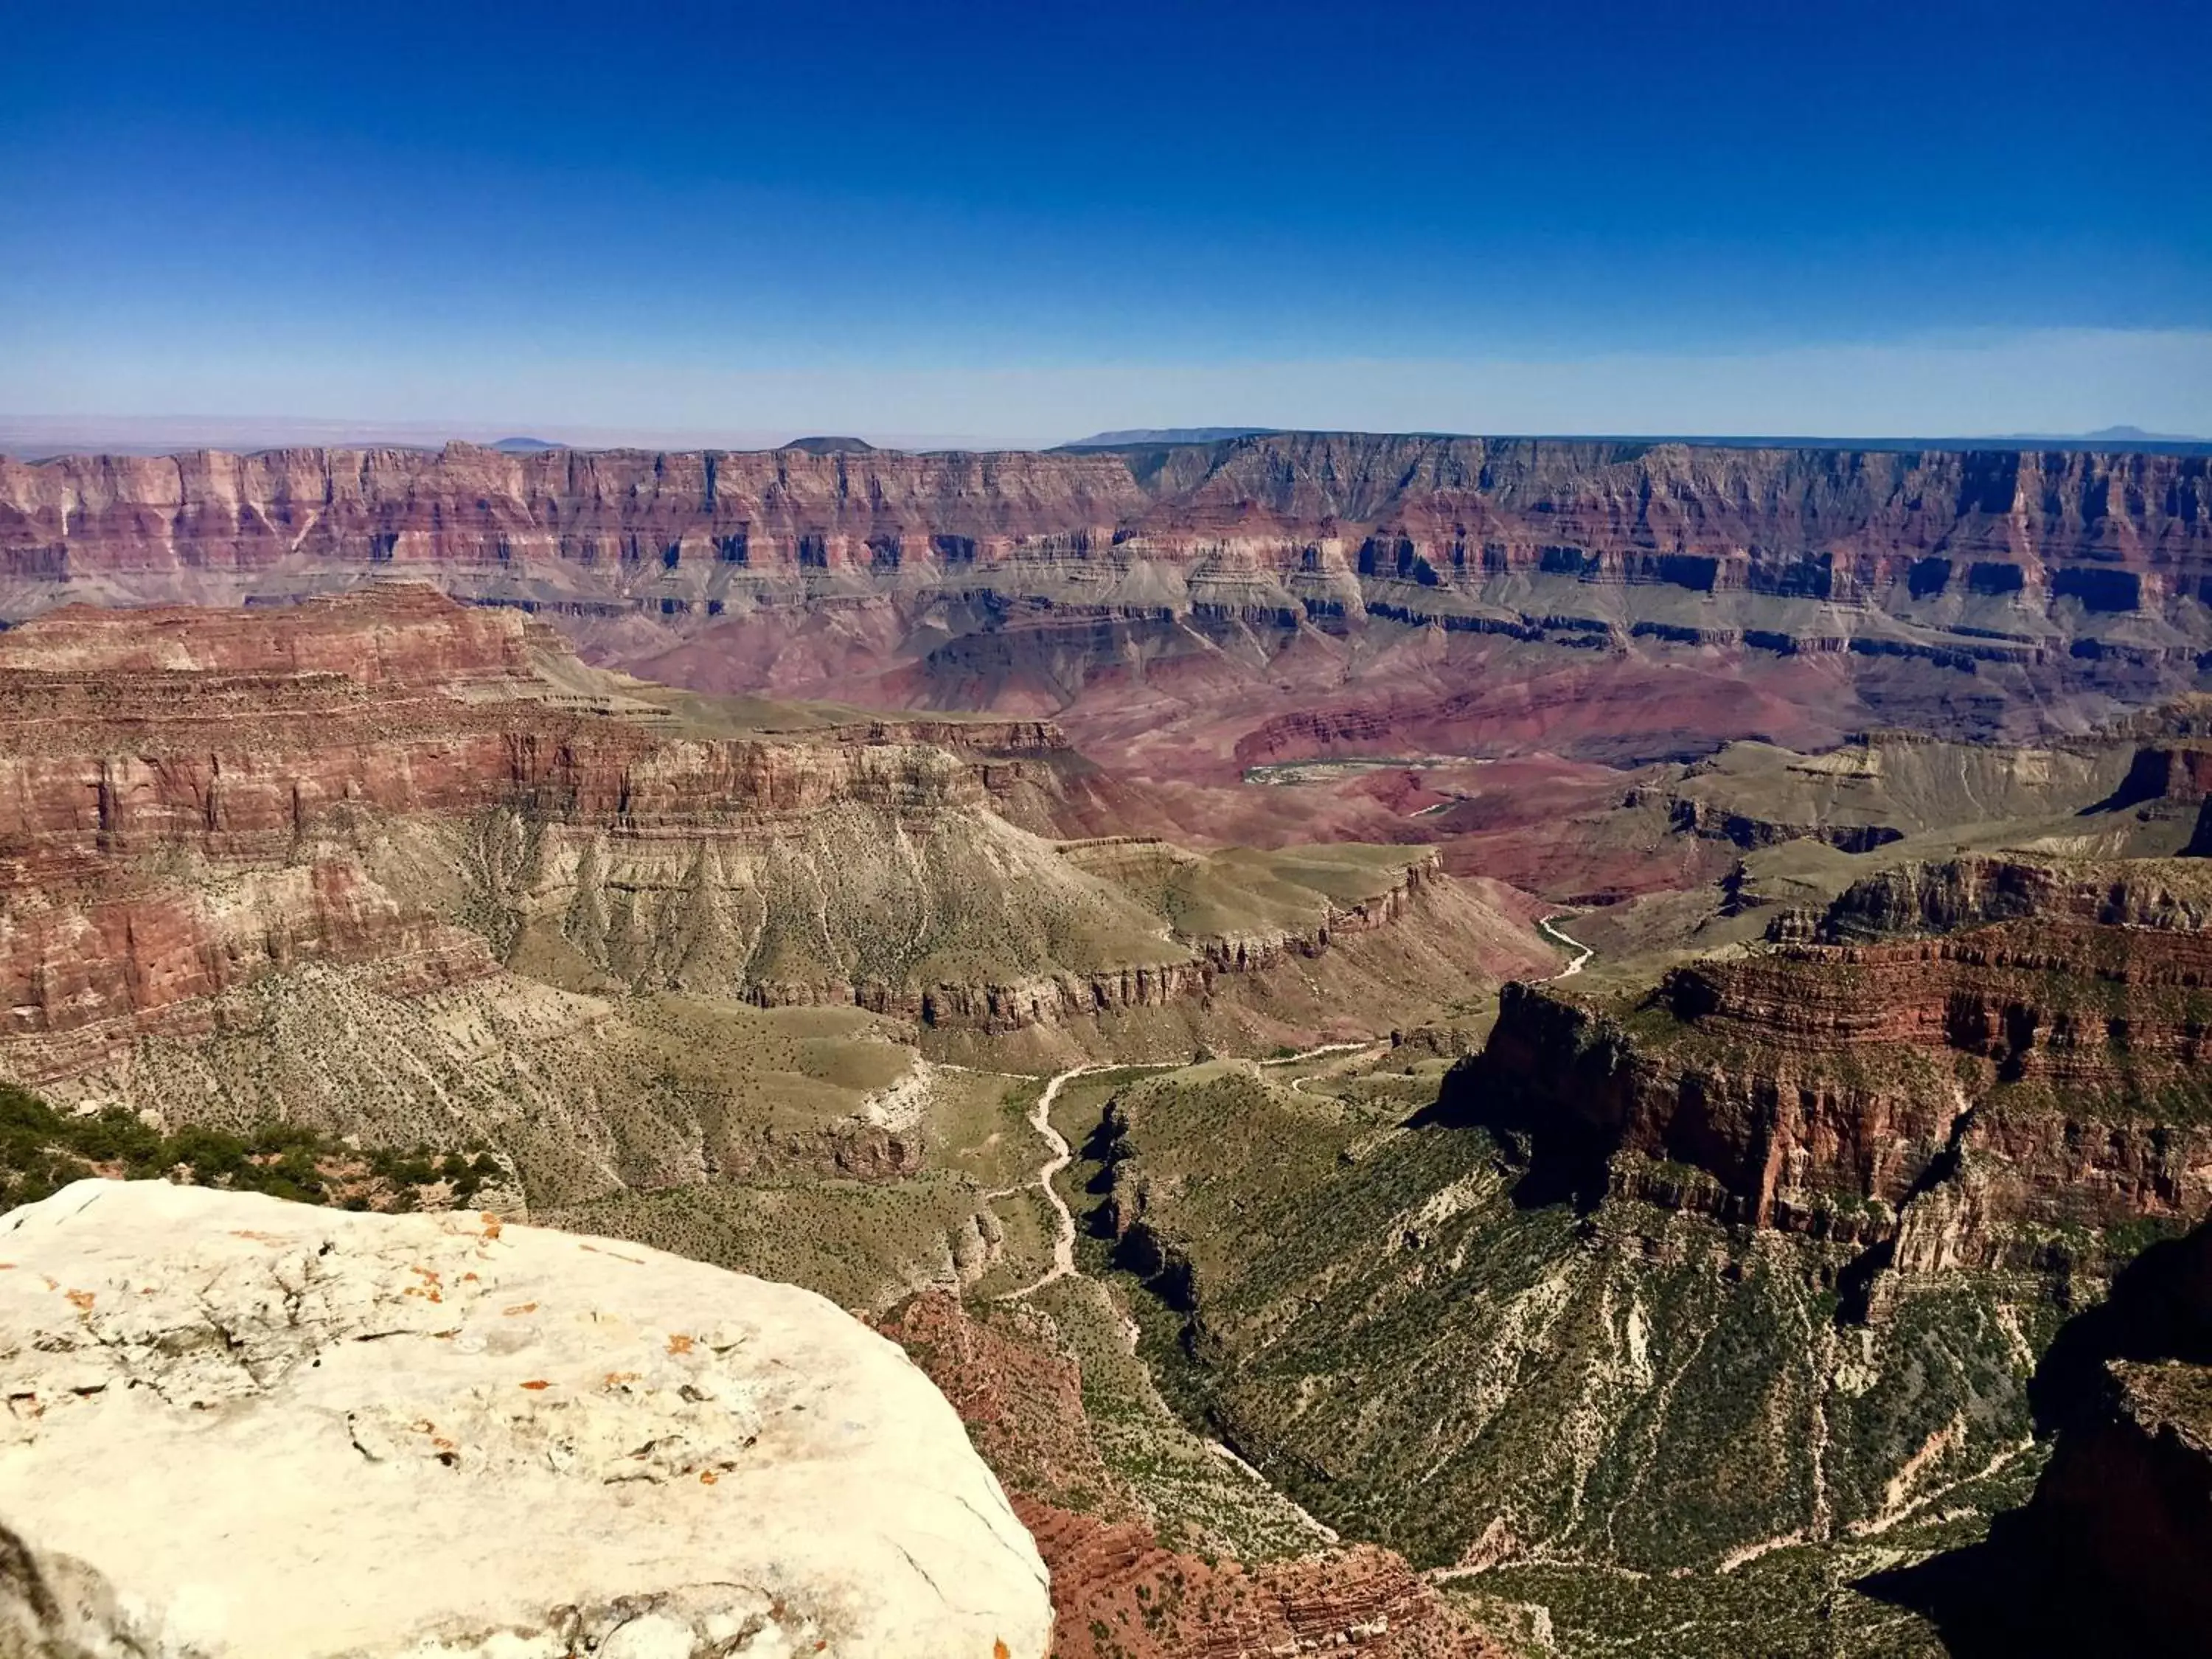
[
  {"x": 1057, "y": 1158},
  {"x": 1547, "y": 926},
  {"x": 1061, "y": 1155}
]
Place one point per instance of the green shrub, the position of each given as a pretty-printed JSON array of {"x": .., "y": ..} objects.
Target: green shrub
[{"x": 43, "y": 1150}]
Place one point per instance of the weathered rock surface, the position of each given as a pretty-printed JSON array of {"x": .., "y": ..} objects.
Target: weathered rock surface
[{"x": 242, "y": 1427}]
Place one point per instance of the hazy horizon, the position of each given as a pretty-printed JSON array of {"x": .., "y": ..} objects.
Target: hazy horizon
[{"x": 38, "y": 436}]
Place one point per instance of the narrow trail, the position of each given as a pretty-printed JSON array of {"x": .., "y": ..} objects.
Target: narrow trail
[
  {"x": 1558, "y": 937},
  {"x": 1063, "y": 1244},
  {"x": 1061, "y": 1155},
  {"x": 1297, "y": 1085}
]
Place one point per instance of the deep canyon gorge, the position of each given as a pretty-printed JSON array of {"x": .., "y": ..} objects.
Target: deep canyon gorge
[{"x": 717, "y": 853}]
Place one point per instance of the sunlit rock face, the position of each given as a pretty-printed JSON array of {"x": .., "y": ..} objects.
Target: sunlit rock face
[{"x": 243, "y": 1427}]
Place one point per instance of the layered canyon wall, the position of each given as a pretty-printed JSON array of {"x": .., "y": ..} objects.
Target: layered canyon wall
[
  {"x": 1931, "y": 585},
  {"x": 191, "y": 801},
  {"x": 1824, "y": 523},
  {"x": 1980, "y": 1098}
]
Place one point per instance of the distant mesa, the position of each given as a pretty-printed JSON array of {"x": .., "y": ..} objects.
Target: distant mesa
[
  {"x": 2110, "y": 439},
  {"x": 526, "y": 445},
  {"x": 1169, "y": 435},
  {"x": 832, "y": 446},
  {"x": 2104, "y": 437}
]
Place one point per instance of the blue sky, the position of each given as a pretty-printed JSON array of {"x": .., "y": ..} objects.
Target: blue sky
[{"x": 1021, "y": 222}]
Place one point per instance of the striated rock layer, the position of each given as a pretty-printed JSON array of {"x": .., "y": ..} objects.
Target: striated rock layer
[
  {"x": 192, "y": 801},
  {"x": 183, "y": 796},
  {"x": 1229, "y": 603},
  {"x": 1830, "y": 523},
  {"x": 397, "y": 1433},
  {"x": 1963, "y": 1099}
]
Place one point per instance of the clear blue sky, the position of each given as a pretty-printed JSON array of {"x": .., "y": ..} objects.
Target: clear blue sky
[{"x": 1022, "y": 221}]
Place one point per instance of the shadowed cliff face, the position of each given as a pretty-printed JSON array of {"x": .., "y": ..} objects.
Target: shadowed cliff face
[
  {"x": 1285, "y": 594},
  {"x": 2108, "y": 1555},
  {"x": 1962, "y": 1100}
]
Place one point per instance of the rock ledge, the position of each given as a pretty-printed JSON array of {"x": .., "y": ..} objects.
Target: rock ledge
[{"x": 240, "y": 1427}]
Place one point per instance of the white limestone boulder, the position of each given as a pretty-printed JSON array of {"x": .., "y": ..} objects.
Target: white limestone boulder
[{"x": 245, "y": 1429}]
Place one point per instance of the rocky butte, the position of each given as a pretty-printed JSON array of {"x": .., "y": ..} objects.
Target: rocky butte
[{"x": 2026, "y": 1060}]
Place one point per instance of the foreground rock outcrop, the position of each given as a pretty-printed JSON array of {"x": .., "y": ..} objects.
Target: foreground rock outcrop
[
  {"x": 2126, "y": 1503},
  {"x": 2108, "y": 1555},
  {"x": 2120, "y": 1528},
  {"x": 242, "y": 1427}
]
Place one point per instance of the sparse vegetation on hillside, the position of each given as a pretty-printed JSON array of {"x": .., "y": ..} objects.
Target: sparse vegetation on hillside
[
  {"x": 863, "y": 1244},
  {"x": 42, "y": 1150},
  {"x": 1643, "y": 1421}
]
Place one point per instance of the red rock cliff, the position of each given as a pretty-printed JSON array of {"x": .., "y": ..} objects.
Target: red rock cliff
[
  {"x": 2055, "y": 1067},
  {"x": 1017, "y": 580}
]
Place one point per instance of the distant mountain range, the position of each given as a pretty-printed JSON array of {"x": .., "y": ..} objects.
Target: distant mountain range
[
  {"x": 38, "y": 437},
  {"x": 2121, "y": 437},
  {"x": 832, "y": 446},
  {"x": 811, "y": 446},
  {"x": 2107, "y": 438}
]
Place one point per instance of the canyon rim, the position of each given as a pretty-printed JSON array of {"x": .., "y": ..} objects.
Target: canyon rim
[{"x": 1522, "y": 970}]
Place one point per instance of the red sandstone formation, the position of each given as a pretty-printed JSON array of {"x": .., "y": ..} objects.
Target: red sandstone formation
[
  {"x": 104, "y": 757},
  {"x": 1420, "y": 510},
  {"x": 1193, "y": 608},
  {"x": 1117, "y": 1592},
  {"x": 406, "y": 638},
  {"x": 186, "y": 799},
  {"x": 1984, "y": 1089},
  {"x": 83, "y": 972}
]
